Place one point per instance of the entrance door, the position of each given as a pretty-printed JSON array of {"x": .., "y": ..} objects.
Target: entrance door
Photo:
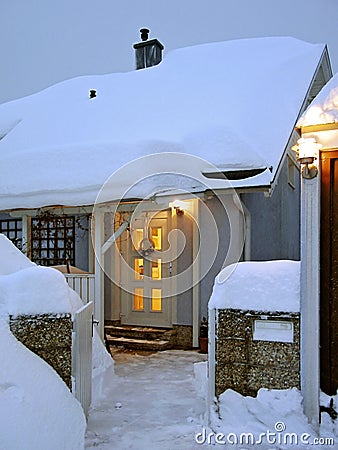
[
  {"x": 144, "y": 300},
  {"x": 329, "y": 273}
]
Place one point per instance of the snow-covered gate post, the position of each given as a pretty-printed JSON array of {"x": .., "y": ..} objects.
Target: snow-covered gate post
[
  {"x": 254, "y": 329},
  {"x": 82, "y": 356}
]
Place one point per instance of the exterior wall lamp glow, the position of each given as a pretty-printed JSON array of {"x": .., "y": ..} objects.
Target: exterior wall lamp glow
[
  {"x": 178, "y": 206},
  {"x": 307, "y": 150}
]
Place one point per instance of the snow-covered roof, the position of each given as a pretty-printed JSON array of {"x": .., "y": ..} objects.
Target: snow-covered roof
[
  {"x": 231, "y": 103},
  {"x": 324, "y": 108}
]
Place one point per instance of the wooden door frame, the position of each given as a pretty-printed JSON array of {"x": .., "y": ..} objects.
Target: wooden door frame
[{"x": 328, "y": 321}]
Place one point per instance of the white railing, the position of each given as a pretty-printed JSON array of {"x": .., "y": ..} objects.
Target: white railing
[
  {"x": 83, "y": 284},
  {"x": 82, "y": 356}
]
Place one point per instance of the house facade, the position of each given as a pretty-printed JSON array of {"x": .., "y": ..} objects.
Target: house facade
[{"x": 202, "y": 176}]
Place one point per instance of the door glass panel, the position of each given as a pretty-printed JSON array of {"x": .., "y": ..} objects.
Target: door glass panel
[
  {"x": 156, "y": 299},
  {"x": 138, "y": 268},
  {"x": 156, "y": 270},
  {"x": 138, "y": 299},
  {"x": 156, "y": 237},
  {"x": 137, "y": 238}
]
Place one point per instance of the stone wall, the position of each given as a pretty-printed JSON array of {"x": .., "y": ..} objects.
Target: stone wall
[
  {"x": 183, "y": 337},
  {"x": 246, "y": 365},
  {"x": 48, "y": 336}
]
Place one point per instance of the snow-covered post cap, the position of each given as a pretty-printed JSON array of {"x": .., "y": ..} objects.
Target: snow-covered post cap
[
  {"x": 28, "y": 289},
  {"x": 270, "y": 286}
]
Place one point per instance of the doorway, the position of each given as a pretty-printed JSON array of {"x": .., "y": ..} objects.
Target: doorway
[{"x": 145, "y": 289}]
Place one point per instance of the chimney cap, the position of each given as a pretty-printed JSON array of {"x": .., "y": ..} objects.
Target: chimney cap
[
  {"x": 148, "y": 53},
  {"x": 144, "y": 34}
]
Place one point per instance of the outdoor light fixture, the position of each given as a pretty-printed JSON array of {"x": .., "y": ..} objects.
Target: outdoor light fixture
[
  {"x": 307, "y": 153},
  {"x": 178, "y": 206}
]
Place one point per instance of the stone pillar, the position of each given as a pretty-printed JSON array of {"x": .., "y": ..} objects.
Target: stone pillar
[{"x": 245, "y": 362}]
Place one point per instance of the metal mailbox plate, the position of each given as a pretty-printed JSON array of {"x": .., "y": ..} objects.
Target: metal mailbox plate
[{"x": 273, "y": 331}]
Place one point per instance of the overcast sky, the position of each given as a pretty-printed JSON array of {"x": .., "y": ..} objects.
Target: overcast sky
[{"x": 46, "y": 41}]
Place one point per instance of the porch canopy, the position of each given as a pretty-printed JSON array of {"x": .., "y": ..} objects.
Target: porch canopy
[
  {"x": 231, "y": 103},
  {"x": 323, "y": 110}
]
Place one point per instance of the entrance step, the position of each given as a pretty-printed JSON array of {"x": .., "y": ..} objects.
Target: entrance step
[
  {"x": 140, "y": 338},
  {"x": 139, "y": 344}
]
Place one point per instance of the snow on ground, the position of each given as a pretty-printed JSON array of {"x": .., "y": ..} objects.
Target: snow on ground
[
  {"x": 155, "y": 401},
  {"x": 158, "y": 401},
  {"x": 262, "y": 286},
  {"x": 37, "y": 410},
  {"x": 258, "y": 286},
  {"x": 269, "y": 418},
  {"x": 89, "y": 139},
  {"x": 152, "y": 403}
]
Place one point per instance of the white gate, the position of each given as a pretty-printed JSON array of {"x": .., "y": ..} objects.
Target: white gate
[{"x": 82, "y": 356}]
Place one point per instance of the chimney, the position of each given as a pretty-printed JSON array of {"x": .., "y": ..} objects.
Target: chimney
[{"x": 147, "y": 53}]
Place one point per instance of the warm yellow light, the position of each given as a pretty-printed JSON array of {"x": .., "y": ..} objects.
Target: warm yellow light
[
  {"x": 139, "y": 268},
  {"x": 138, "y": 299},
  {"x": 156, "y": 237},
  {"x": 156, "y": 300},
  {"x": 306, "y": 148},
  {"x": 178, "y": 206},
  {"x": 156, "y": 272}
]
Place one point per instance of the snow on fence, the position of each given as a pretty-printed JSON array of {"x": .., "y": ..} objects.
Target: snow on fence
[
  {"x": 82, "y": 356},
  {"x": 84, "y": 285}
]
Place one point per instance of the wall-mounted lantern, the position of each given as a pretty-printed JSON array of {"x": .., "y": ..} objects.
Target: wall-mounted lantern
[
  {"x": 178, "y": 206},
  {"x": 307, "y": 150}
]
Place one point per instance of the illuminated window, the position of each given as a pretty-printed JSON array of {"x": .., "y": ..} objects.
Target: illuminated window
[
  {"x": 139, "y": 268},
  {"x": 138, "y": 299},
  {"x": 156, "y": 236},
  {"x": 156, "y": 270},
  {"x": 156, "y": 299}
]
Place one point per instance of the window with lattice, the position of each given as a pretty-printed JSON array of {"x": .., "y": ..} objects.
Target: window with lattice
[
  {"x": 53, "y": 240},
  {"x": 12, "y": 228}
]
